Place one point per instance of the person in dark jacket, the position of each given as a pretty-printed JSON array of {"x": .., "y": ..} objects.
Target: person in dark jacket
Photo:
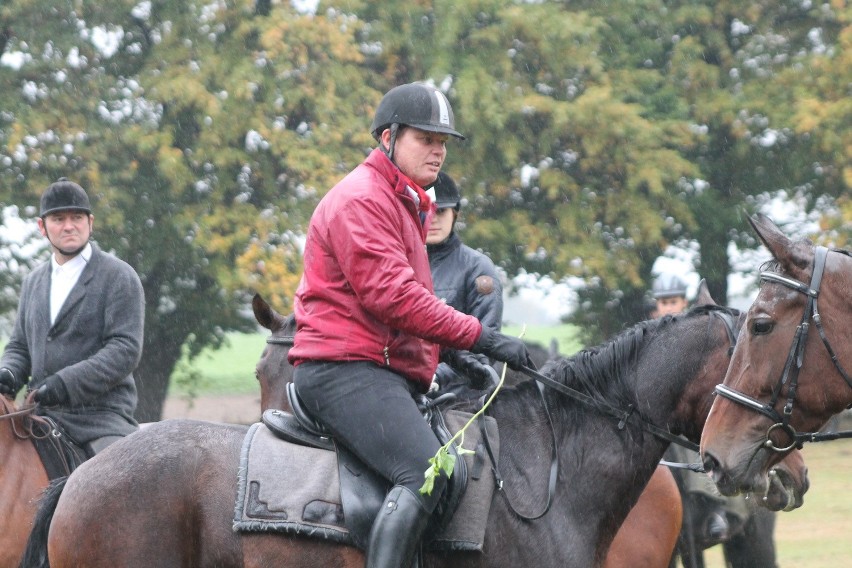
[
  {"x": 78, "y": 332},
  {"x": 369, "y": 324},
  {"x": 465, "y": 279}
]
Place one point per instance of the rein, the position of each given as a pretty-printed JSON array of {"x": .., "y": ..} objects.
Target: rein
[
  {"x": 795, "y": 359},
  {"x": 29, "y": 432},
  {"x": 622, "y": 415},
  {"x": 51, "y": 432}
]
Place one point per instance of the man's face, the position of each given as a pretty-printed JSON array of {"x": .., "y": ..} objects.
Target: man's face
[
  {"x": 418, "y": 154},
  {"x": 66, "y": 230},
  {"x": 673, "y": 305},
  {"x": 442, "y": 226}
]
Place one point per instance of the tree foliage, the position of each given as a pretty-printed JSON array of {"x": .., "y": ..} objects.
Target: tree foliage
[{"x": 598, "y": 133}]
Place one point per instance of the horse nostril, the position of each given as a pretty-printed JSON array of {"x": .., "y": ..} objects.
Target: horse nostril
[{"x": 710, "y": 464}]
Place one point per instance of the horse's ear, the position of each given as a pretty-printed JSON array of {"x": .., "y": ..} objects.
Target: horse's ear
[
  {"x": 785, "y": 251},
  {"x": 703, "y": 296},
  {"x": 264, "y": 314}
]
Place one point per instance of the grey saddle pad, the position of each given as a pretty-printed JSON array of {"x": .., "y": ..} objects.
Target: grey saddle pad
[{"x": 288, "y": 488}]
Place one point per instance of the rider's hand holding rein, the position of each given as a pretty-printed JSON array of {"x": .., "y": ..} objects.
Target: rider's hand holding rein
[
  {"x": 481, "y": 374},
  {"x": 52, "y": 392},
  {"x": 510, "y": 350},
  {"x": 8, "y": 385}
]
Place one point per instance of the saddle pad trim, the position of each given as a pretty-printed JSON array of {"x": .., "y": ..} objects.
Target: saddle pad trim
[{"x": 244, "y": 524}]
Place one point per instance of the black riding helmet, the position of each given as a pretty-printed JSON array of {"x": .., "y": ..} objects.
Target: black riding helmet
[
  {"x": 414, "y": 104},
  {"x": 64, "y": 195},
  {"x": 445, "y": 193}
]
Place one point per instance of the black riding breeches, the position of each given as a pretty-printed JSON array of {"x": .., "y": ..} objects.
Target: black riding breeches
[{"x": 370, "y": 409}]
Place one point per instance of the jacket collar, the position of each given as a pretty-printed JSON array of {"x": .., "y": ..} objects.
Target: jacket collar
[
  {"x": 444, "y": 248},
  {"x": 401, "y": 183}
]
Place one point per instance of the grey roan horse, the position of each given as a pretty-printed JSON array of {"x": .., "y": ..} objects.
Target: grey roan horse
[{"x": 165, "y": 495}]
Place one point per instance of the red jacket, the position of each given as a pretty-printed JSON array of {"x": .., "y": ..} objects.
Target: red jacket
[{"x": 366, "y": 292}]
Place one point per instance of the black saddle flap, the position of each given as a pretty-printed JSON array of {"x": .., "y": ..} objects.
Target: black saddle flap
[{"x": 287, "y": 427}]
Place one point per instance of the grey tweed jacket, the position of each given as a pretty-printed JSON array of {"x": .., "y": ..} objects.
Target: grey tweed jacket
[{"x": 94, "y": 345}]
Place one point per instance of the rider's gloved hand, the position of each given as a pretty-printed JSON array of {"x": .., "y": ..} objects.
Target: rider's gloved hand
[
  {"x": 481, "y": 375},
  {"x": 52, "y": 392},
  {"x": 8, "y": 386},
  {"x": 510, "y": 350}
]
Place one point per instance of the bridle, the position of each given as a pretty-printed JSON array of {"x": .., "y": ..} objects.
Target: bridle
[
  {"x": 12, "y": 414},
  {"x": 287, "y": 340},
  {"x": 790, "y": 374}
]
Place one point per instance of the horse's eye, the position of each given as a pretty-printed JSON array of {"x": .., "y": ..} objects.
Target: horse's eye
[{"x": 761, "y": 327}]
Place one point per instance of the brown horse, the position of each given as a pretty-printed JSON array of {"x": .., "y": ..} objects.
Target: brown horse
[
  {"x": 164, "y": 496},
  {"x": 790, "y": 372},
  {"x": 645, "y": 540},
  {"x": 22, "y": 479}
]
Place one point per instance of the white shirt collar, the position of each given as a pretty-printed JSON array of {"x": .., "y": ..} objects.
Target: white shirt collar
[{"x": 75, "y": 263}]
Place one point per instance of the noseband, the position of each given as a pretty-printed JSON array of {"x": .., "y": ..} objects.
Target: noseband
[{"x": 790, "y": 374}]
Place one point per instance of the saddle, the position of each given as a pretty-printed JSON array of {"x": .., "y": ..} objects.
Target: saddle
[
  {"x": 363, "y": 491},
  {"x": 59, "y": 454}
]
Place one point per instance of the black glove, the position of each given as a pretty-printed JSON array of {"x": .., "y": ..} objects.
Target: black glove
[
  {"x": 52, "y": 392},
  {"x": 480, "y": 374},
  {"x": 511, "y": 350},
  {"x": 8, "y": 385}
]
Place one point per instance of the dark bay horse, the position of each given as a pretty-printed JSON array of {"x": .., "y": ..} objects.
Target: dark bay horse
[
  {"x": 648, "y": 535},
  {"x": 22, "y": 480},
  {"x": 790, "y": 371},
  {"x": 650, "y": 532},
  {"x": 164, "y": 496}
]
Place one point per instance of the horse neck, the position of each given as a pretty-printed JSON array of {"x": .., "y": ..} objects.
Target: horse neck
[{"x": 589, "y": 506}]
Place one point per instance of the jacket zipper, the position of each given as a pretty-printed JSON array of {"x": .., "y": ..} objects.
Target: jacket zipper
[{"x": 386, "y": 351}]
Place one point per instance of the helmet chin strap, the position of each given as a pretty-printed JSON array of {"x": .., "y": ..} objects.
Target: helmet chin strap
[
  {"x": 394, "y": 129},
  {"x": 71, "y": 253}
]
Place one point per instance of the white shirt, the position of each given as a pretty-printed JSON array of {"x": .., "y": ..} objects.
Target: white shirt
[{"x": 64, "y": 277}]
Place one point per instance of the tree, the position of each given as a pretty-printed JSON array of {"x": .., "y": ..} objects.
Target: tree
[
  {"x": 563, "y": 175},
  {"x": 196, "y": 121}
]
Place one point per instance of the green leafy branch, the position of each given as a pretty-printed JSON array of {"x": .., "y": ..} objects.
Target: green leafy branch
[{"x": 443, "y": 460}]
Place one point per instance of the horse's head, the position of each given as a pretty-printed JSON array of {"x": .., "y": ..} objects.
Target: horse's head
[
  {"x": 781, "y": 488},
  {"x": 273, "y": 371},
  {"x": 782, "y": 379}
]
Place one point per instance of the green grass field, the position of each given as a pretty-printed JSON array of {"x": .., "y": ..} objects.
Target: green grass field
[{"x": 816, "y": 535}]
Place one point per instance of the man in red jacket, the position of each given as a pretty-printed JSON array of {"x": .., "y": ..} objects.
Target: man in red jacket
[{"x": 369, "y": 325}]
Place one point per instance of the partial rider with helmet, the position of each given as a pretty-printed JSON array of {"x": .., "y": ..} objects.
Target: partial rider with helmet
[
  {"x": 467, "y": 280},
  {"x": 78, "y": 332},
  {"x": 369, "y": 324}
]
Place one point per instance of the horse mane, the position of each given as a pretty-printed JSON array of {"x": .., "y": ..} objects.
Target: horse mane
[
  {"x": 601, "y": 371},
  {"x": 287, "y": 327},
  {"x": 289, "y": 324}
]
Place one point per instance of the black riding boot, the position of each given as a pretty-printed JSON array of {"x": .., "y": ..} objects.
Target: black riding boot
[{"x": 397, "y": 530}]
